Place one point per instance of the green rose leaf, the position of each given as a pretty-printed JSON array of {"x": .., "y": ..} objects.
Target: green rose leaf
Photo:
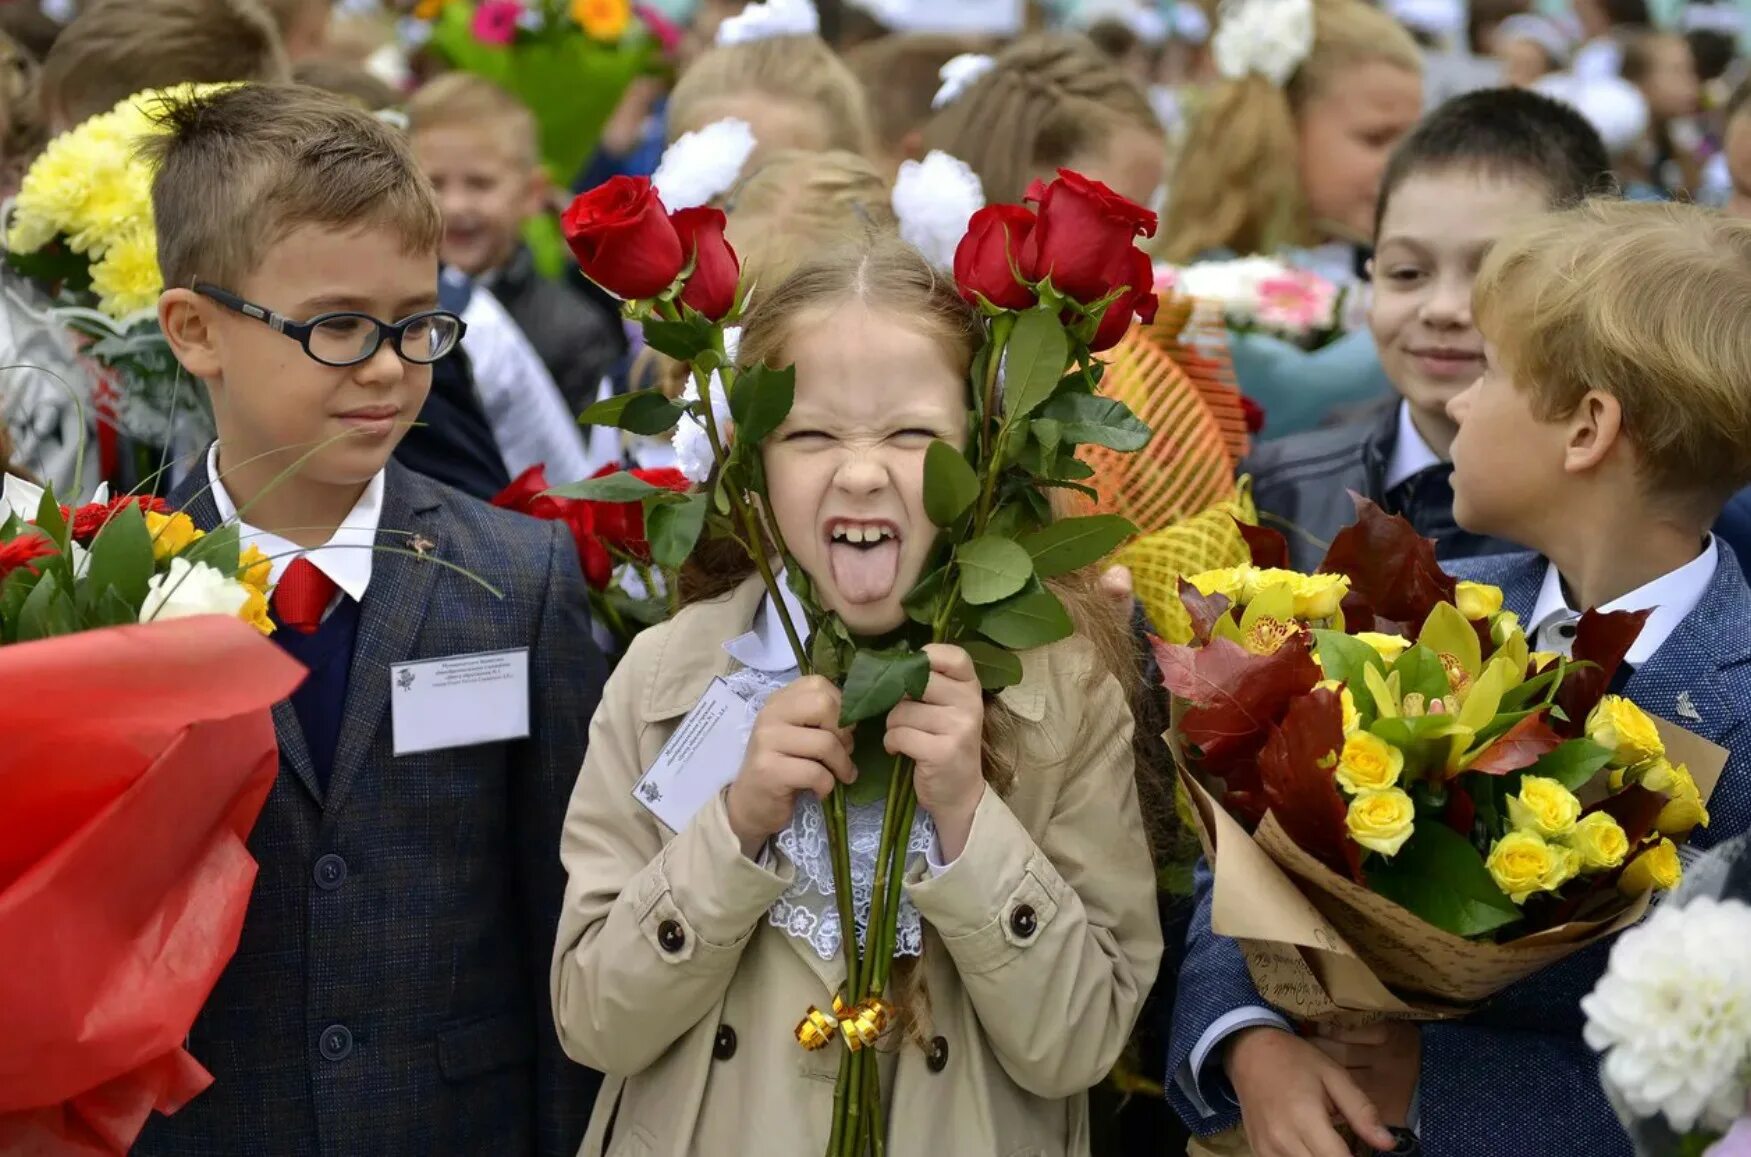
[
  {"x": 1440, "y": 878},
  {"x": 219, "y": 549},
  {"x": 1036, "y": 355},
  {"x": 950, "y": 486},
  {"x": 1089, "y": 420},
  {"x": 869, "y": 754},
  {"x": 121, "y": 556},
  {"x": 47, "y": 611},
  {"x": 924, "y": 601},
  {"x": 992, "y": 569},
  {"x": 1072, "y": 543},
  {"x": 682, "y": 340},
  {"x": 1574, "y": 764},
  {"x": 760, "y": 401},
  {"x": 1344, "y": 658},
  {"x": 620, "y": 486},
  {"x": 645, "y": 412},
  {"x": 997, "y": 667},
  {"x": 878, "y": 680},
  {"x": 673, "y": 529},
  {"x": 1031, "y": 619}
]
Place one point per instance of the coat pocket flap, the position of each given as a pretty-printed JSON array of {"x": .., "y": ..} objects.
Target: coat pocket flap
[{"x": 474, "y": 1047}]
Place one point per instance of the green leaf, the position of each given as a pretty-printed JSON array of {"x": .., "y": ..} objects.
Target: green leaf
[
  {"x": 646, "y": 412},
  {"x": 997, "y": 667},
  {"x": 1031, "y": 619},
  {"x": 1441, "y": 878},
  {"x": 1072, "y": 543},
  {"x": 1344, "y": 658},
  {"x": 1035, "y": 358},
  {"x": 48, "y": 517},
  {"x": 1533, "y": 690},
  {"x": 47, "y": 611},
  {"x": 992, "y": 569},
  {"x": 121, "y": 556},
  {"x": 1574, "y": 764},
  {"x": 831, "y": 650},
  {"x": 1088, "y": 420},
  {"x": 620, "y": 486},
  {"x": 682, "y": 340},
  {"x": 647, "y": 612},
  {"x": 878, "y": 680},
  {"x": 875, "y": 767},
  {"x": 1419, "y": 669},
  {"x": 950, "y": 486},
  {"x": 924, "y": 601},
  {"x": 673, "y": 529},
  {"x": 111, "y": 610},
  {"x": 760, "y": 401},
  {"x": 219, "y": 549}
]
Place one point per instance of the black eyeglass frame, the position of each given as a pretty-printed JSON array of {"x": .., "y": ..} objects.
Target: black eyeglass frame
[{"x": 301, "y": 331}]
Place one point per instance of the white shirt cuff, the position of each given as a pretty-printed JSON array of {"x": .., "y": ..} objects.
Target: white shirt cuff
[
  {"x": 1191, "y": 1073},
  {"x": 933, "y": 859}
]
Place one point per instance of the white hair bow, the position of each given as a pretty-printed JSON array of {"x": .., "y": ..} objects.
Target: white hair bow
[
  {"x": 934, "y": 199},
  {"x": 1268, "y": 38},
  {"x": 958, "y": 75},
  {"x": 703, "y": 165},
  {"x": 771, "y": 19}
]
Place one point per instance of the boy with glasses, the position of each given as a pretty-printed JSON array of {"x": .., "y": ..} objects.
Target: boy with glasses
[{"x": 389, "y": 990}]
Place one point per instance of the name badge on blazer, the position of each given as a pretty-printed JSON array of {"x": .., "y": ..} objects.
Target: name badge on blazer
[
  {"x": 699, "y": 760},
  {"x": 459, "y": 701}
]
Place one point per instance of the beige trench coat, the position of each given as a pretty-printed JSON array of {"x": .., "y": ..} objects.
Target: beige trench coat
[{"x": 1042, "y": 939}]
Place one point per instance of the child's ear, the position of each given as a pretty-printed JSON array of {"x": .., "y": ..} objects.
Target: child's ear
[
  {"x": 1594, "y": 429},
  {"x": 1368, "y": 269},
  {"x": 540, "y": 193},
  {"x": 182, "y": 315}
]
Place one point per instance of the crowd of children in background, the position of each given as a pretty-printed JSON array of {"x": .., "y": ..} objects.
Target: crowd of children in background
[{"x": 1428, "y": 161}]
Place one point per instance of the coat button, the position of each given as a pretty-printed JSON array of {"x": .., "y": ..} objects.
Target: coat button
[
  {"x": 936, "y": 1056},
  {"x": 725, "y": 1046},
  {"x": 336, "y": 1042},
  {"x": 670, "y": 936},
  {"x": 331, "y": 872},
  {"x": 1023, "y": 922}
]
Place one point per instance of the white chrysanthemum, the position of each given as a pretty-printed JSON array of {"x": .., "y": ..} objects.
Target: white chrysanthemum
[
  {"x": 773, "y": 18},
  {"x": 934, "y": 199},
  {"x": 693, "y": 456},
  {"x": 703, "y": 165},
  {"x": 1268, "y": 38},
  {"x": 1672, "y": 1015},
  {"x": 1234, "y": 285},
  {"x": 190, "y": 589},
  {"x": 958, "y": 75}
]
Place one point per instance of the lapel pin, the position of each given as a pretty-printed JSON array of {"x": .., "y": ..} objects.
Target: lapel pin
[
  {"x": 421, "y": 545},
  {"x": 1687, "y": 709}
]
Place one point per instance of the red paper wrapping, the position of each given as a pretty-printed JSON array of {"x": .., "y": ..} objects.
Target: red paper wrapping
[{"x": 133, "y": 764}]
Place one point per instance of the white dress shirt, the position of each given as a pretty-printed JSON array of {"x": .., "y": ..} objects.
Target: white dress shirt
[
  {"x": 1411, "y": 454},
  {"x": 1668, "y": 599}
]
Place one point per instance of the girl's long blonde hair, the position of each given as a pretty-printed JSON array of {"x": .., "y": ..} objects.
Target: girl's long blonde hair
[
  {"x": 800, "y": 70},
  {"x": 1236, "y": 183},
  {"x": 1047, "y": 99}
]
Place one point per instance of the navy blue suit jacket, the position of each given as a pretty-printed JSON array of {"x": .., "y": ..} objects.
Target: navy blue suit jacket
[
  {"x": 389, "y": 993},
  {"x": 1514, "y": 1079}
]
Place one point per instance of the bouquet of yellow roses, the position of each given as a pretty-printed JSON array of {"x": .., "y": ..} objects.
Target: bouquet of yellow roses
[{"x": 1406, "y": 808}]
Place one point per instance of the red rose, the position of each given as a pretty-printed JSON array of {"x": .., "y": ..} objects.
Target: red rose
[
  {"x": 987, "y": 257},
  {"x": 711, "y": 287},
  {"x": 24, "y": 551},
  {"x": 1083, "y": 241},
  {"x": 525, "y": 495},
  {"x": 622, "y": 238},
  {"x": 1139, "y": 300},
  {"x": 1255, "y": 421},
  {"x": 620, "y": 525},
  {"x": 593, "y": 555}
]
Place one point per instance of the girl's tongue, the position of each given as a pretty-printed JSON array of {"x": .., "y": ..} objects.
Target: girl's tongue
[{"x": 865, "y": 573}]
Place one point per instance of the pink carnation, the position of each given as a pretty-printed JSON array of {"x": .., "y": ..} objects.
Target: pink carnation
[
  {"x": 495, "y": 21},
  {"x": 1297, "y": 301}
]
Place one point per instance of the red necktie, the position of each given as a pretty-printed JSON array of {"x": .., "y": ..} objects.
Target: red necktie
[{"x": 302, "y": 595}]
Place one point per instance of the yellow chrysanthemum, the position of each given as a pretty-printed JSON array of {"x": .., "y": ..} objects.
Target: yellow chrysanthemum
[
  {"x": 254, "y": 568},
  {"x": 602, "y": 19},
  {"x": 127, "y": 278},
  {"x": 255, "y": 611}
]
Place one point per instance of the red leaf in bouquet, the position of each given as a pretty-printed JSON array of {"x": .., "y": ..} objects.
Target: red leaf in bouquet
[
  {"x": 1236, "y": 697},
  {"x": 1268, "y": 547},
  {"x": 1202, "y": 609},
  {"x": 1518, "y": 748},
  {"x": 1390, "y": 565},
  {"x": 24, "y": 551},
  {"x": 1602, "y": 638},
  {"x": 1296, "y": 766},
  {"x": 711, "y": 287},
  {"x": 1084, "y": 237},
  {"x": 989, "y": 254},
  {"x": 1460, "y": 814},
  {"x": 623, "y": 239}
]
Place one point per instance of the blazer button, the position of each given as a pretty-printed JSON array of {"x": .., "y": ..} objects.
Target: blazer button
[
  {"x": 670, "y": 936},
  {"x": 331, "y": 872},
  {"x": 336, "y": 1042},
  {"x": 725, "y": 1046},
  {"x": 936, "y": 1056},
  {"x": 1023, "y": 922}
]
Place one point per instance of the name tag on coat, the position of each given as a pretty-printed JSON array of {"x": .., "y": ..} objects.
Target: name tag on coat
[
  {"x": 700, "y": 759},
  {"x": 460, "y": 700}
]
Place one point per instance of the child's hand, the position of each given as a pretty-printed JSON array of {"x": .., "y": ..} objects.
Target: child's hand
[
  {"x": 797, "y": 745},
  {"x": 1384, "y": 1058},
  {"x": 942, "y": 733},
  {"x": 1290, "y": 1092}
]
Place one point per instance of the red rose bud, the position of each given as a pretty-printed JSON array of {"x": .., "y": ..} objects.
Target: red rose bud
[
  {"x": 1083, "y": 241},
  {"x": 987, "y": 257},
  {"x": 623, "y": 240},
  {"x": 711, "y": 287},
  {"x": 1139, "y": 301}
]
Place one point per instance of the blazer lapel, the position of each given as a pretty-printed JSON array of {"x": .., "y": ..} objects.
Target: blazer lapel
[
  {"x": 389, "y": 619},
  {"x": 1682, "y": 681}
]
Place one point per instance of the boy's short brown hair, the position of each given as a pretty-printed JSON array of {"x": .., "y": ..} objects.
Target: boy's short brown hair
[
  {"x": 462, "y": 99},
  {"x": 1648, "y": 302},
  {"x": 346, "y": 79},
  {"x": 116, "y": 48},
  {"x": 240, "y": 168}
]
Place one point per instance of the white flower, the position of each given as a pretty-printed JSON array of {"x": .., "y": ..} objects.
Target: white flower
[
  {"x": 934, "y": 199},
  {"x": 1268, "y": 38},
  {"x": 1672, "y": 1015},
  {"x": 1234, "y": 285},
  {"x": 191, "y": 589},
  {"x": 960, "y": 74},
  {"x": 693, "y": 456},
  {"x": 764, "y": 21},
  {"x": 703, "y": 165}
]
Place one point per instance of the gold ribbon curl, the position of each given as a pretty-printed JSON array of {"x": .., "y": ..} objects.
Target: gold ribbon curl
[{"x": 860, "y": 1026}]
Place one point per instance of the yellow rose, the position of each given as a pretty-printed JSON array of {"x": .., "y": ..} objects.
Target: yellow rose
[
  {"x": 1478, "y": 600},
  {"x": 1368, "y": 763},
  {"x": 1381, "y": 821},
  {"x": 1318, "y": 596},
  {"x": 1680, "y": 817},
  {"x": 1521, "y": 863},
  {"x": 1230, "y": 582},
  {"x": 1620, "y": 725},
  {"x": 1388, "y": 647},
  {"x": 1544, "y": 807},
  {"x": 254, "y": 568},
  {"x": 1352, "y": 717},
  {"x": 171, "y": 534},
  {"x": 1655, "y": 869},
  {"x": 1600, "y": 842},
  {"x": 1661, "y": 775},
  {"x": 1258, "y": 579},
  {"x": 255, "y": 610},
  {"x": 1684, "y": 810}
]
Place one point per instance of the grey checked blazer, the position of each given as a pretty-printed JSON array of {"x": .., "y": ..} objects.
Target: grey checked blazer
[{"x": 389, "y": 994}]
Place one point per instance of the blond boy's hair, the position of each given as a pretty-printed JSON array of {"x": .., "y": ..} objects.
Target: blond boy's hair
[
  {"x": 240, "y": 168},
  {"x": 463, "y": 100},
  {"x": 116, "y": 48},
  {"x": 800, "y": 70},
  {"x": 1647, "y": 302}
]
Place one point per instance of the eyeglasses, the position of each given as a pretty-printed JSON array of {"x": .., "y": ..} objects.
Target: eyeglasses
[{"x": 347, "y": 338}]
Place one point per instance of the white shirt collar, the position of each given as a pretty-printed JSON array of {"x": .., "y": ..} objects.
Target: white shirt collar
[
  {"x": 765, "y": 647},
  {"x": 345, "y": 557},
  {"x": 1668, "y": 599},
  {"x": 1410, "y": 452}
]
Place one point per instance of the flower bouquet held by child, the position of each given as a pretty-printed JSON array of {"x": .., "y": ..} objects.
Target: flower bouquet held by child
[
  {"x": 900, "y": 625},
  {"x": 1261, "y": 295},
  {"x": 1405, "y": 809}
]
